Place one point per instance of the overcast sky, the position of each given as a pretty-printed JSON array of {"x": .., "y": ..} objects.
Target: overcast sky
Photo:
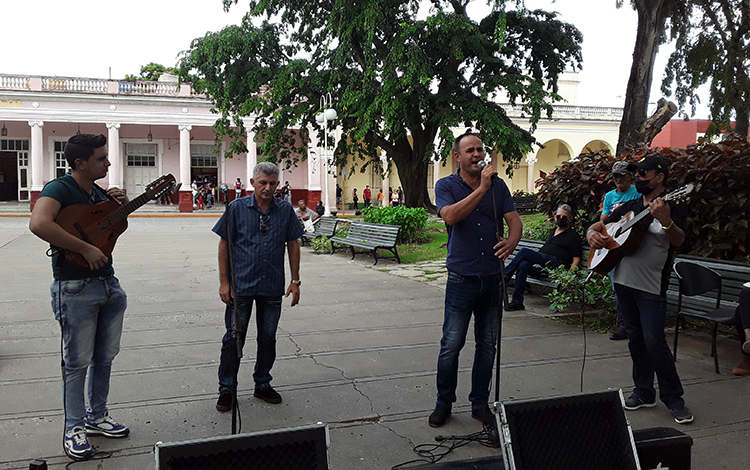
[{"x": 85, "y": 38}]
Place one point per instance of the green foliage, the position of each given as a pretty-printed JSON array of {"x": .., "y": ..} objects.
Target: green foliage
[
  {"x": 717, "y": 225},
  {"x": 572, "y": 291},
  {"x": 522, "y": 193},
  {"x": 412, "y": 220},
  {"x": 321, "y": 245},
  {"x": 712, "y": 46},
  {"x": 400, "y": 81},
  {"x": 152, "y": 72},
  {"x": 536, "y": 227},
  {"x": 432, "y": 246}
]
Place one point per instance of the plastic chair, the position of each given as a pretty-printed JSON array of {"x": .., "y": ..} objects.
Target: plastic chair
[{"x": 695, "y": 279}]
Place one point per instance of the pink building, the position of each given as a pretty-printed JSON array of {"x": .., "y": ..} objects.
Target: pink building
[{"x": 153, "y": 128}]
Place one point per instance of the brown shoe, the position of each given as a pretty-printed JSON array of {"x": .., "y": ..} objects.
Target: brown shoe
[{"x": 743, "y": 368}]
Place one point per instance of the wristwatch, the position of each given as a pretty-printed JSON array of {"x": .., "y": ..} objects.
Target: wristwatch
[{"x": 296, "y": 282}]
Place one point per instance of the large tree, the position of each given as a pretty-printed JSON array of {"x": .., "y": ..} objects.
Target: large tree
[
  {"x": 713, "y": 46},
  {"x": 652, "y": 23},
  {"x": 400, "y": 78}
]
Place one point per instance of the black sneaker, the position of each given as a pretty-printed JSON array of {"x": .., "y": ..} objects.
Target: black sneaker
[
  {"x": 682, "y": 414},
  {"x": 439, "y": 416},
  {"x": 515, "y": 306},
  {"x": 634, "y": 403},
  {"x": 224, "y": 403},
  {"x": 267, "y": 394},
  {"x": 619, "y": 334},
  {"x": 484, "y": 416}
]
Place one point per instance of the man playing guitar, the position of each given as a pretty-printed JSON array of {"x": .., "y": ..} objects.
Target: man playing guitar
[
  {"x": 640, "y": 281},
  {"x": 88, "y": 302}
]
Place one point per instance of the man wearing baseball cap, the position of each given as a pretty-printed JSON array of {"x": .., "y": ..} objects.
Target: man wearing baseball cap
[
  {"x": 624, "y": 191},
  {"x": 641, "y": 281}
]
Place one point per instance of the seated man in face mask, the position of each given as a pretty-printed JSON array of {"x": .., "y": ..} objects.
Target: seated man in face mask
[{"x": 563, "y": 248}]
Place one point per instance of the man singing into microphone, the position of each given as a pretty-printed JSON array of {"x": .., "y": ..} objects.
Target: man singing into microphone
[{"x": 470, "y": 202}]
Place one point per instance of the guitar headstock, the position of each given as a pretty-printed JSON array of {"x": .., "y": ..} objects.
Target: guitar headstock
[
  {"x": 680, "y": 194},
  {"x": 161, "y": 186}
]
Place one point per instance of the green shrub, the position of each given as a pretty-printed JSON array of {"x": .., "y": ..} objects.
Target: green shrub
[
  {"x": 598, "y": 294},
  {"x": 412, "y": 220},
  {"x": 536, "y": 227},
  {"x": 321, "y": 245}
]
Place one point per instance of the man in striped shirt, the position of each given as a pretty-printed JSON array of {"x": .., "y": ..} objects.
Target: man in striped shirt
[{"x": 257, "y": 228}]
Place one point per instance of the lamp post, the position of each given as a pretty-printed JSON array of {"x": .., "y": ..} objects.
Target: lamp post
[{"x": 327, "y": 114}]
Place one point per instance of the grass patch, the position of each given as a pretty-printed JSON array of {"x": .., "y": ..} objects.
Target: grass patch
[
  {"x": 432, "y": 246},
  {"x": 598, "y": 322}
]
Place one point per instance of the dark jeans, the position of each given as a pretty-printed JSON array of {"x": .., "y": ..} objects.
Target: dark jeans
[
  {"x": 267, "y": 314},
  {"x": 464, "y": 296},
  {"x": 644, "y": 316},
  {"x": 523, "y": 266}
]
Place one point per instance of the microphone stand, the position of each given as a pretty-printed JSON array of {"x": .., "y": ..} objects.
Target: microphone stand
[
  {"x": 504, "y": 296},
  {"x": 236, "y": 324}
]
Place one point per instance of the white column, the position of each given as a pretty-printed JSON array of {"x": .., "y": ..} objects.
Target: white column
[
  {"x": 252, "y": 158},
  {"x": 185, "y": 157},
  {"x": 530, "y": 160},
  {"x": 115, "y": 159},
  {"x": 37, "y": 155}
]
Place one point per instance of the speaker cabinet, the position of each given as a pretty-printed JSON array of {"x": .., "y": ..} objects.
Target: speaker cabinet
[
  {"x": 302, "y": 448},
  {"x": 578, "y": 432}
]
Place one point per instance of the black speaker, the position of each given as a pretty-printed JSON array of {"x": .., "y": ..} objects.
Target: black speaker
[
  {"x": 578, "y": 432},
  {"x": 302, "y": 448},
  {"x": 663, "y": 448}
]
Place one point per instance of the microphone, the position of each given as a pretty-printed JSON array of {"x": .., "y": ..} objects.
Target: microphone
[{"x": 481, "y": 164}]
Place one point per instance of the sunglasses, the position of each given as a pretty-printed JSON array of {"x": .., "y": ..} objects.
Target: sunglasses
[
  {"x": 265, "y": 224},
  {"x": 641, "y": 172}
]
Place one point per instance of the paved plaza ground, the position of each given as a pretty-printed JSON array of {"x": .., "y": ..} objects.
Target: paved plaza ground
[{"x": 358, "y": 353}]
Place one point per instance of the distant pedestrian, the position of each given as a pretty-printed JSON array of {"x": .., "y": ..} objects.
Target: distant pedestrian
[
  {"x": 380, "y": 197},
  {"x": 355, "y": 199},
  {"x": 339, "y": 194},
  {"x": 237, "y": 189},
  {"x": 367, "y": 195}
]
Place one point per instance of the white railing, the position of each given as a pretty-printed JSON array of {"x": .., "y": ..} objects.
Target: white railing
[
  {"x": 148, "y": 88},
  {"x": 574, "y": 112},
  {"x": 82, "y": 85},
  {"x": 14, "y": 82}
]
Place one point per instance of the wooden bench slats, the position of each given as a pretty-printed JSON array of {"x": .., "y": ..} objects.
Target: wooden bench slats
[{"x": 371, "y": 237}]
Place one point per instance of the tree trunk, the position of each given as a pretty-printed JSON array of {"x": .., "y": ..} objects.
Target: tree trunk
[
  {"x": 653, "y": 125},
  {"x": 651, "y": 20},
  {"x": 742, "y": 122}
]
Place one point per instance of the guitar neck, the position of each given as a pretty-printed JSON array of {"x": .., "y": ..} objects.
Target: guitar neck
[{"x": 122, "y": 212}]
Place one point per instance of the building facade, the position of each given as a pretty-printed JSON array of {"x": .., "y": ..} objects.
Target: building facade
[{"x": 154, "y": 128}]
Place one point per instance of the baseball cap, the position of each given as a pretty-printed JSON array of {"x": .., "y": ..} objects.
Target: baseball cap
[
  {"x": 620, "y": 168},
  {"x": 650, "y": 162}
]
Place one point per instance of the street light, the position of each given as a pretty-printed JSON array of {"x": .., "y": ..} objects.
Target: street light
[{"x": 328, "y": 114}]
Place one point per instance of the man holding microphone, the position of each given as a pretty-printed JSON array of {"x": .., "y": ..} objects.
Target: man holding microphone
[{"x": 471, "y": 202}]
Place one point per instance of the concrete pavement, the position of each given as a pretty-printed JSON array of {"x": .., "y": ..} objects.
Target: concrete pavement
[{"x": 358, "y": 353}]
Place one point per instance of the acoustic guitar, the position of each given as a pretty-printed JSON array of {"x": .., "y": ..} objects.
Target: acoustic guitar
[
  {"x": 623, "y": 239},
  {"x": 100, "y": 224}
]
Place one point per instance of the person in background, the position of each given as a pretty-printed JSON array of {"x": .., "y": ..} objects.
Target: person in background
[
  {"x": 367, "y": 194},
  {"x": 624, "y": 191},
  {"x": 562, "y": 248},
  {"x": 355, "y": 199},
  {"x": 320, "y": 209},
  {"x": 380, "y": 197}
]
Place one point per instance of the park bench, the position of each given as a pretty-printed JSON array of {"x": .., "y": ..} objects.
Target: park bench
[
  {"x": 371, "y": 237},
  {"x": 323, "y": 226},
  {"x": 525, "y": 204}
]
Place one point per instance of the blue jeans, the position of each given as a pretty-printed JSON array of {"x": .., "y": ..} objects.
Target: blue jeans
[
  {"x": 644, "y": 314},
  {"x": 523, "y": 266},
  {"x": 267, "y": 314},
  {"x": 465, "y": 295},
  {"x": 90, "y": 313}
]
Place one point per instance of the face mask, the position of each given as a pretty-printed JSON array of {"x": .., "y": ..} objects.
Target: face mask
[
  {"x": 643, "y": 187},
  {"x": 562, "y": 221}
]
